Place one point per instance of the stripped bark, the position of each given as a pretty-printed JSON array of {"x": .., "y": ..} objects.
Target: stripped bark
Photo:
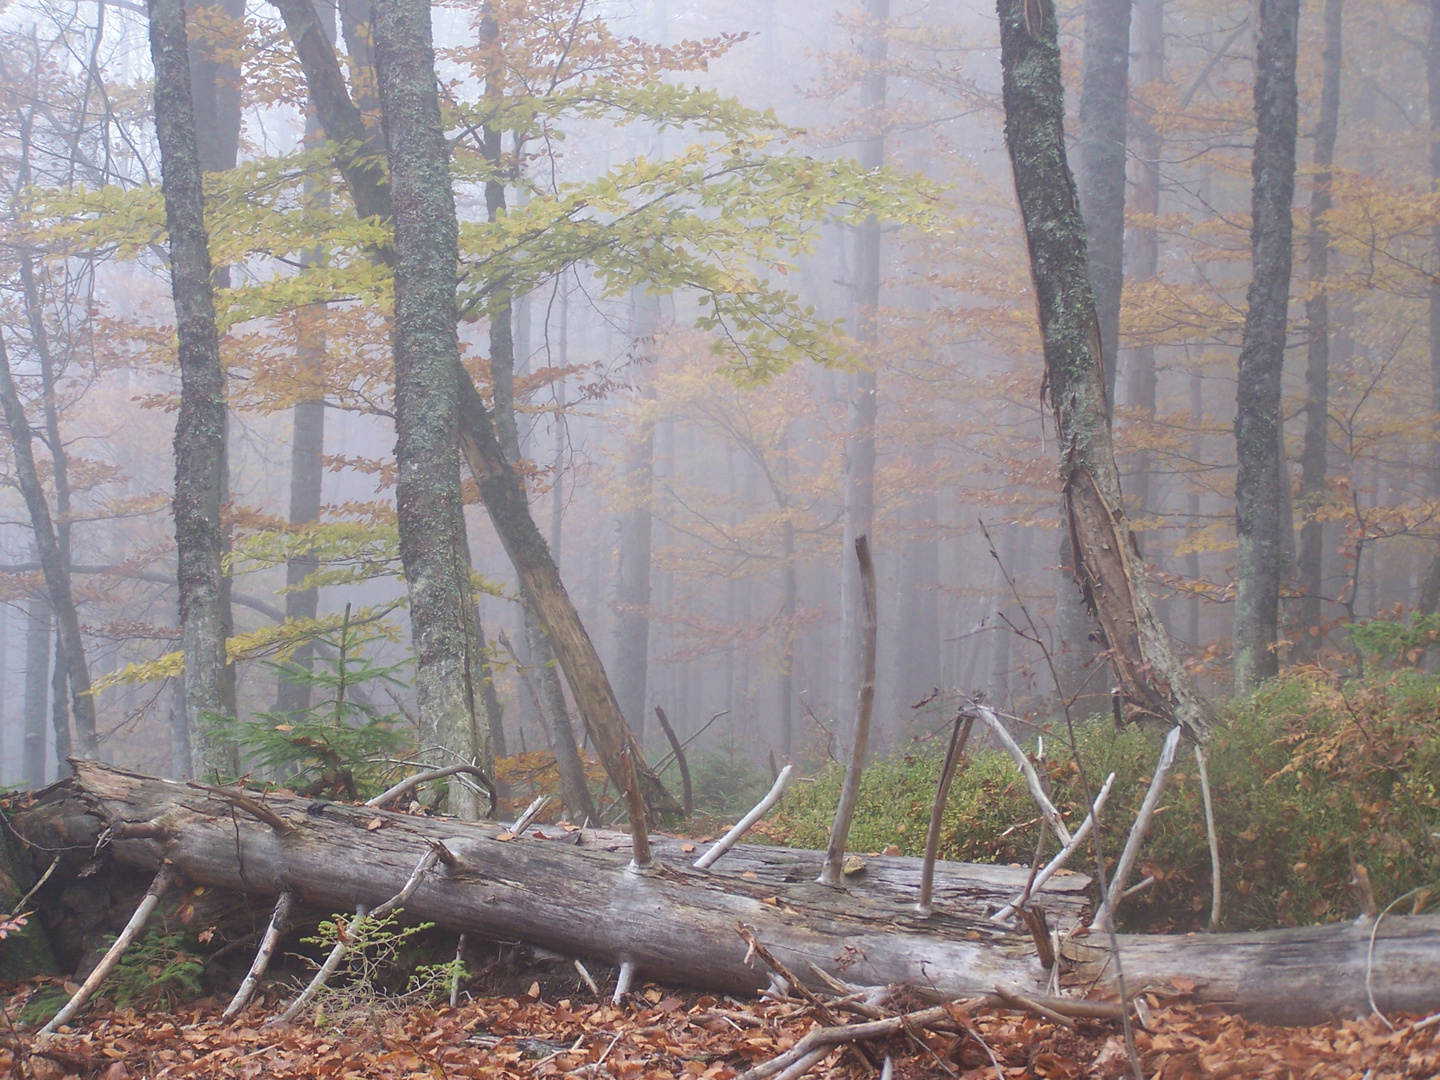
[{"x": 1152, "y": 681}]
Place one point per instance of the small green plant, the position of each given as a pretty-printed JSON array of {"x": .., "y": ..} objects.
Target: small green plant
[
  {"x": 342, "y": 745},
  {"x": 1398, "y": 642},
  {"x": 378, "y": 951},
  {"x": 156, "y": 971},
  {"x": 727, "y": 782}
]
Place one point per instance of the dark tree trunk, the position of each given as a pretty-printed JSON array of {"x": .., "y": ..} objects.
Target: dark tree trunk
[
  {"x": 500, "y": 486},
  {"x": 433, "y": 548},
  {"x": 37, "y": 689},
  {"x": 1311, "y": 559},
  {"x": 70, "y": 649},
  {"x": 863, "y": 403},
  {"x": 1151, "y": 678},
  {"x": 1258, "y": 475},
  {"x": 200, "y": 427},
  {"x": 1100, "y": 180}
]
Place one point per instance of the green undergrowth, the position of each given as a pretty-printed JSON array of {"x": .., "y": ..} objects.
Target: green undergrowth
[{"x": 1303, "y": 773}]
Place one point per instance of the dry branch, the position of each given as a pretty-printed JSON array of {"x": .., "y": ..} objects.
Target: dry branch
[
  {"x": 278, "y": 921},
  {"x": 1136, "y": 839},
  {"x": 958, "y": 738},
  {"x": 745, "y": 824},
  {"x": 1062, "y": 856},
  {"x": 687, "y": 794},
  {"x": 410, "y": 783},
  {"x": 1037, "y": 790}
]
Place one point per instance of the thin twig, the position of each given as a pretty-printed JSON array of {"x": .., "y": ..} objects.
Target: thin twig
[
  {"x": 1037, "y": 792},
  {"x": 1136, "y": 839},
  {"x": 1212, "y": 836},
  {"x": 251, "y": 806},
  {"x": 1063, "y": 856},
  {"x": 410, "y": 783},
  {"x": 687, "y": 793},
  {"x": 745, "y": 824},
  {"x": 1020, "y": 1001}
]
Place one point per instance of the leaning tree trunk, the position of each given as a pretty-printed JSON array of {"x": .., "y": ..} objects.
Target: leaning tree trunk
[
  {"x": 1311, "y": 558},
  {"x": 200, "y": 426},
  {"x": 1258, "y": 472},
  {"x": 501, "y": 488},
  {"x": 53, "y": 560},
  {"x": 679, "y": 924},
  {"x": 427, "y": 363},
  {"x": 1152, "y": 680}
]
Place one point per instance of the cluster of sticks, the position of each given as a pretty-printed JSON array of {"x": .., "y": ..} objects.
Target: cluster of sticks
[{"x": 867, "y": 1005}]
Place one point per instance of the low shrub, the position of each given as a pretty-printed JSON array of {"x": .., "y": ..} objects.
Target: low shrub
[{"x": 1303, "y": 773}]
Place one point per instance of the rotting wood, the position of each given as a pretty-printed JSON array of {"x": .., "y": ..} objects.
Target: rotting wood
[{"x": 676, "y": 924}]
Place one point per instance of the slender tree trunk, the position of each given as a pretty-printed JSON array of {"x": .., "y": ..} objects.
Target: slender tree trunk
[
  {"x": 863, "y": 402},
  {"x": 1430, "y": 591},
  {"x": 1317, "y": 361},
  {"x": 1143, "y": 258},
  {"x": 500, "y": 487},
  {"x": 632, "y": 592},
  {"x": 1258, "y": 476},
  {"x": 1100, "y": 180},
  {"x": 37, "y": 689},
  {"x": 789, "y": 587},
  {"x": 200, "y": 427},
  {"x": 918, "y": 620},
  {"x": 427, "y": 365},
  {"x": 1151, "y": 678},
  {"x": 70, "y": 648}
]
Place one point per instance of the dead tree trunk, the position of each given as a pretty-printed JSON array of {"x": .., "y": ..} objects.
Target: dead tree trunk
[
  {"x": 1258, "y": 474},
  {"x": 200, "y": 427},
  {"x": 678, "y": 924},
  {"x": 1317, "y": 360},
  {"x": 427, "y": 366},
  {"x": 1152, "y": 680},
  {"x": 500, "y": 486},
  {"x": 53, "y": 560}
]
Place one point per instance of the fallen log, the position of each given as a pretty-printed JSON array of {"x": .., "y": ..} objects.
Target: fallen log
[{"x": 676, "y": 924}]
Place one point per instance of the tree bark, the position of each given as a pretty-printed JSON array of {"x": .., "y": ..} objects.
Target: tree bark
[
  {"x": 1258, "y": 474},
  {"x": 1430, "y": 592},
  {"x": 863, "y": 403},
  {"x": 427, "y": 366},
  {"x": 679, "y": 924},
  {"x": 37, "y": 689},
  {"x": 1151, "y": 678},
  {"x": 54, "y": 563},
  {"x": 1317, "y": 360},
  {"x": 1100, "y": 181},
  {"x": 200, "y": 427},
  {"x": 500, "y": 486}
]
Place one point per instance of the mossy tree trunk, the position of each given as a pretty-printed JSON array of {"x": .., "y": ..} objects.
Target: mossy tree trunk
[
  {"x": 25, "y": 953},
  {"x": 1259, "y": 500},
  {"x": 1152, "y": 680},
  {"x": 433, "y": 547}
]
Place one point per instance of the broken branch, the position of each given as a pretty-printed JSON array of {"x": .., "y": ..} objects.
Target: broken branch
[
  {"x": 278, "y": 921},
  {"x": 731, "y": 838}
]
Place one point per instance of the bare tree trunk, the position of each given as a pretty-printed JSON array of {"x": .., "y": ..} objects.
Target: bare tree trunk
[
  {"x": 863, "y": 403},
  {"x": 427, "y": 365},
  {"x": 200, "y": 427},
  {"x": 1258, "y": 476},
  {"x": 70, "y": 650},
  {"x": 500, "y": 487},
  {"x": 632, "y": 592},
  {"x": 1317, "y": 360},
  {"x": 1430, "y": 591},
  {"x": 1100, "y": 180},
  {"x": 790, "y": 589},
  {"x": 1143, "y": 258},
  {"x": 1152, "y": 680},
  {"x": 918, "y": 622},
  {"x": 37, "y": 689}
]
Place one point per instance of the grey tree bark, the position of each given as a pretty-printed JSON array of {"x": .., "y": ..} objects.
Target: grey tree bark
[
  {"x": 1430, "y": 589},
  {"x": 70, "y": 649},
  {"x": 863, "y": 403},
  {"x": 200, "y": 426},
  {"x": 1310, "y": 562},
  {"x": 37, "y": 689},
  {"x": 1152, "y": 680},
  {"x": 1258, "y": 477},
  {"x": 433, "y": 548}
]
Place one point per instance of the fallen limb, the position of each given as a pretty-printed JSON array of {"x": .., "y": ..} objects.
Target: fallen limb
[
  {"x": 1032, "y": 781},
  {"x": 1020, "y": 1001},
  {"x": 158, "y": 888},
  {"x": 745, "y": 824},
  {"x": 278, "y": 923},
  {"x": 410, "y": 783},
  {"x": 1062, "y": 856},
  {"x": 1136, "y": 840}
]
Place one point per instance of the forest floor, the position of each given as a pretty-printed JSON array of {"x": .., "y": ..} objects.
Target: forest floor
[{"x": 657, "y": 1033}]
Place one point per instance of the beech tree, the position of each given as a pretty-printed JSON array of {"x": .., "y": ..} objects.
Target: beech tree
[{"x": 1259, "y": 474}]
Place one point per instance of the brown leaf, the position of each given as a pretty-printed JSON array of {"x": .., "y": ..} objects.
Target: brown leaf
[
  {"x": 687, "y": 848},
  {"x": 504, "y": 836},
  {"x": 375, "y": 823}
]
